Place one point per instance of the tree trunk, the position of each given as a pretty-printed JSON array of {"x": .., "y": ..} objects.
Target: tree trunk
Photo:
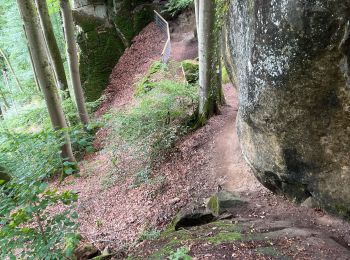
[
  {"x": 73, "y": 60},
  {"x": 220, "y": 91},
  {"x": 54, "y": 51},
  {"x": 11, "y": 69},
  {"x": 31, "y": 62},
  {"x": 196, "y": 10},
  {"x": 208, "y": 96},
  {"x": 45, "y": 75}
]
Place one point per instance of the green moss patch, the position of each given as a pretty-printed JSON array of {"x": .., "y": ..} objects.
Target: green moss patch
[
  {"x": 191, "y": 71},
  {"x": 224, "y": 237}
]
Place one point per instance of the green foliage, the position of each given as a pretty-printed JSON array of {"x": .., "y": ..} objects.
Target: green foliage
[
  {"x": 150, "y": 128},
  {"x": 53, "y": 6},
  {"x": 145, "y": 84},
  {"x": 180, "y": 254},
  {"x": 191, "y": 70},
  {"x": 30, "y": 153},
  {"x": 155, "y": 111},
  {"x": 174, "y": 7},
  {"x": 29, "y": 230},
  {"x": 151, "y": 234},
  {"x": 225, "y": 76},
  {"x": 143, "y": 176},
  {"x": 11, "y": 31},
  {"x": 28, "y": 226}
]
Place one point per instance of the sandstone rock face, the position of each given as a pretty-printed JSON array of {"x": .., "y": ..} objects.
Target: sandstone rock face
[
  {"x": 290, "y": 62},
  {"x": 105, "y": 29}
]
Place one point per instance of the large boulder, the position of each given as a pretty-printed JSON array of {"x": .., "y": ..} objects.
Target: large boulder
[
  {"x": 105, "y": 30},
  {"x": 290, "y": 62}
]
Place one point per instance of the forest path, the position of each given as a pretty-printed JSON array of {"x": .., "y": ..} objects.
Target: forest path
[
  {"x": 313, "y": 233},
  {"x": 228, "y": 161},
  {"x": 307, "y": 233},
  {"x": 113, "y": 214}
]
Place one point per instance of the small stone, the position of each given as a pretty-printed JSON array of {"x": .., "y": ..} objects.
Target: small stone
[
  {"x": 309, "y": 203},
  {"x": 86, "y": 251},
  {"x": 174, "y": 201},
  {"x": 106, "y": 251}
]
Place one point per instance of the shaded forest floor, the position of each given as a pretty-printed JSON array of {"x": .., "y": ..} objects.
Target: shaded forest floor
[{"x": 114, "y": 215}]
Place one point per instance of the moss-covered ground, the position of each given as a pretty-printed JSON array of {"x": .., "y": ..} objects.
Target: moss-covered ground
[{"x": 220, "y": 238}]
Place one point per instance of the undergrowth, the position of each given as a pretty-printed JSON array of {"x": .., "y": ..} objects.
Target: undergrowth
[
  {"x": 174, "y": 7},
  {"x": 148, "y": 130},
  {"x": 30, "y": 155},
  {"x": 27, "y": 229}
]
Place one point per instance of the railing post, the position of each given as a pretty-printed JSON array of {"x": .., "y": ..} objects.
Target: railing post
[{"x": 164, "y": 27}]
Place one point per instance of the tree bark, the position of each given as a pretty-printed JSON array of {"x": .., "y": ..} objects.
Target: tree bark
[
  {"x": 52, "y": 46},
  {"x": 11, "y": 69},
  {"x": 73, "y": 60},
  {"x": 32, "y": 63},
  {"x": 45, "y": 75},
  {"x": 196, "y": 10},
  {"x": 220, "y": 91},
  {"x": 207, "y": 63}
]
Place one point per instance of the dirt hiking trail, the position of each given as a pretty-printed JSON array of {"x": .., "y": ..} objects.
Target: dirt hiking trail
[
  {"x": 228, "y": 161},
  {"x": 201, "y": 162},
  {"x": 266, "y": 211}
]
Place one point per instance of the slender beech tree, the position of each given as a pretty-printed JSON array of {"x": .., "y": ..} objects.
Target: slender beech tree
[
  {"x": 31, "y": 62},
  {"x": 44, "y": 72},
  {"x": 52, "y": 46},
  {"x": 2, "y": 53},
  {"x": 210, "y": 90},
  {"x": 196, "y": 10},
  {"x": 72, "y": 55}
]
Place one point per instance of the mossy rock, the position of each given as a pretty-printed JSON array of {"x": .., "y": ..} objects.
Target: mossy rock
[
  {"x": 225, "y": 201},
  {"x": 191, "y": 71},
  {"x": 194, "y": 214},
  {"x": 221, "y": 232},
  {"x": 101, "y": 45}
]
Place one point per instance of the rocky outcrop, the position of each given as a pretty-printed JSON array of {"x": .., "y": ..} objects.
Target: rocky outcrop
[
  {"x": 290, "y": 62},
  {"x": 105, "y": 29}
]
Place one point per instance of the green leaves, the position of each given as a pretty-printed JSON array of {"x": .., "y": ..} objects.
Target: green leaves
[
  {"x": 53, "y": 6},
  {"x": 34, "y": 230},
  {"x": 176, "y": 6},
  {"x": 180, "y": 254},
  {"x": 28, "y": 224},
  {"x": 149, "y": 129}
]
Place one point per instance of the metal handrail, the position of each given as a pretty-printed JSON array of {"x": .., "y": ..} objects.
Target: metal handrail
[{"x": 164, "y": 27}]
